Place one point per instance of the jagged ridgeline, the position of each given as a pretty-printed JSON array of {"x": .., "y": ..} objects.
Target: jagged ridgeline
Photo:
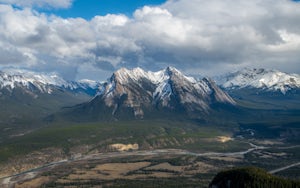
[{"x": 139, "y": 94}]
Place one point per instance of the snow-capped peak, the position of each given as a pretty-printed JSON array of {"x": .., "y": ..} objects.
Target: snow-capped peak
[
  {"x": 11, "y": 78},
  {"x": 165, "y": 88},
  {"x": 271, "y": 80},
  {"x": 24, "y": 76},
  {"x": 124, "y": 75}
]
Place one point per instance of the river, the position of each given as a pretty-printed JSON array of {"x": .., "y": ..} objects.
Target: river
[{"x": 6, "y": 181}]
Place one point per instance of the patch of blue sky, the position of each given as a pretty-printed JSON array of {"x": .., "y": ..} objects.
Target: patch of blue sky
[{"x": 87, "y": 9}]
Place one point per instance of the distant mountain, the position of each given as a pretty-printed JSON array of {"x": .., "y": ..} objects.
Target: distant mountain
[
  {"x": 137, "y": 93},
  {"x": 267, "y": 80},
  {"x": 34, "y": 82},
  {"x": 262, "y": 89},
  {"x": 26, "y": 96}
]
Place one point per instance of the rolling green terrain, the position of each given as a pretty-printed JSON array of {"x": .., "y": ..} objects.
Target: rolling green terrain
[
  {"x": 68, "y": 137},
  {"x": 21, "y": 112},
  {"x": 257, "y": 99},
  {"x": 148, "y": 134}
]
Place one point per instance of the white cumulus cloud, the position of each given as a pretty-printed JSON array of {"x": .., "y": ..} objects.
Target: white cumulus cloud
[{"x": 197, "y": 36}]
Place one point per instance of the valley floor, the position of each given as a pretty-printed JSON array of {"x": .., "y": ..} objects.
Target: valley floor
[{"x": 155, "y": 168}]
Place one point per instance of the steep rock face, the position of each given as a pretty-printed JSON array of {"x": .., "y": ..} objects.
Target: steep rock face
[
  {"x": 129, "y": 89},
  {"x": 166, "y": 90},
  {"x": 268, "y": 80}
]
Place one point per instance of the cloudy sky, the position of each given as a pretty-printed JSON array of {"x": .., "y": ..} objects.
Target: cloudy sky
[{"x": 90, "y": 39}]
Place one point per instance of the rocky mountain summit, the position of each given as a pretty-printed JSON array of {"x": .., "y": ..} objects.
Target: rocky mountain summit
[{"x": 139, "y": 92}]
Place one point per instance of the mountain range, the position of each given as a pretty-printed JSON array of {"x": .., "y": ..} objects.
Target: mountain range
[
  {"x": 267, "y": 80},
  {"x": 263, "y": 79},
  {"x": 138, "y": 94},
  {"x": 34, "y": 82}
]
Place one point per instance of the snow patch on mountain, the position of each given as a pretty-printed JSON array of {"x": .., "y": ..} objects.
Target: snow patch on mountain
[
  {"x": 86, "y": 83},
  {"x": 166, "y": 88},
  {"x": 271, "y": 80},
  {"x": 43, "y": 82},
  {"x": 163, "y": 92}
]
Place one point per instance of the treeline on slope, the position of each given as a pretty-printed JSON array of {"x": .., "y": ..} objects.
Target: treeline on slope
[{"x": 250, "y": 177}]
